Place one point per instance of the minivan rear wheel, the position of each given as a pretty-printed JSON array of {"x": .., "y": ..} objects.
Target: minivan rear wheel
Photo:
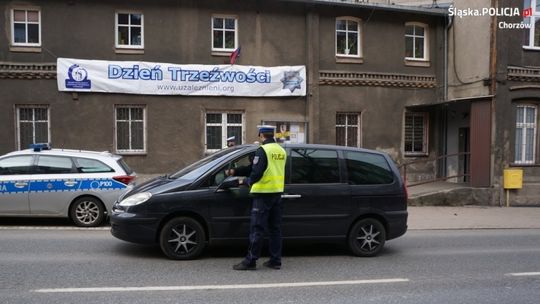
[
  {"x": 367, "y": 237},
  {"x": 182, "y": 238}
]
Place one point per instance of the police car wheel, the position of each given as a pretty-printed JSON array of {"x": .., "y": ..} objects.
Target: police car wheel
[
  {"x": 87, "y": 212},
  {"x": 367, "y": 237},
  {"x": 182, "y": 238}
]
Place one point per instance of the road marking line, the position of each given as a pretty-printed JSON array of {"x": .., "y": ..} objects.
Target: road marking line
[
  {"x": 219, "y": 287},
  {"x": 524, "y": 274}
]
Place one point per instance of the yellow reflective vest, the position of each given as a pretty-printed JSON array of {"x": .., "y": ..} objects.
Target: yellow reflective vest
[{"x": 273, "y": 179}]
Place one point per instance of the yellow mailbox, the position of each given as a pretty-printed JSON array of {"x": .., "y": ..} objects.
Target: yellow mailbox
[{"x": 513, "y": 178}]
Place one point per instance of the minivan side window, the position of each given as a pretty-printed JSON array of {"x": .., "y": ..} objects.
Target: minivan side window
[
  {"x": 314, "y": 166},
  {"x": 85, "y": 165},
  {"x": 54, "y": 165},
  {"x": 16, "y": 165},
  {"x": 367, "y": 168}
]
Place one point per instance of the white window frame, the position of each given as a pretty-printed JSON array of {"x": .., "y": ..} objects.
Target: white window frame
[
  {"x": 530, "y": 20},
  {"x": 346, "y": 31},
  {"x": 425, "y": 135},
  {"x": 223, "y": 124},
  {"x": 521, "y": 159},
  {"x": 33, "y": 121},
  {"x": 224, "y": 49},
  {"x": 130, "y": 151},
  {"x": 414, "y": 36},
  {"x": 25, "y": 9},
  {"x": 347, "y": 125},
  {"x": 130, "y": 26}
]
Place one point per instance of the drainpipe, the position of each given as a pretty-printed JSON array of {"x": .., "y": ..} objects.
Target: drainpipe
[
  {"x": 493, "y": 92},
  {"x": 448, "y": 24}
]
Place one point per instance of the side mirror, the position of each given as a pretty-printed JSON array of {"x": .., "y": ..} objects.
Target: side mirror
[{"x": 229, "y": 182}]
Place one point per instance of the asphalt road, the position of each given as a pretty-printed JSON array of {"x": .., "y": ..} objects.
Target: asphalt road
[{"x": 68, "y": 265}]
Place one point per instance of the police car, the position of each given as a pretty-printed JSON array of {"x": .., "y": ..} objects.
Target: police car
[{"x": 45, "y": 182}]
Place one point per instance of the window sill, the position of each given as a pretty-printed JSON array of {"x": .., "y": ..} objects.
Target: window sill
[
  {"x": 127, "y": 153},
  {"x": 222, "y": 53},
  {"x": 357, "y": 60},
  {"x": 129, "y": 51},
  {"x": 514, "y": 165},
  {"x": 25, "y": 49},
  {"x": 531, "y": 48},
  {"x": 417, "y": 63},
  {"x": 407, "y": 154}
]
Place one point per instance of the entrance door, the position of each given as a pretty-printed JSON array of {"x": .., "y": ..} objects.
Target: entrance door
[{"x": 480, "y": 143}]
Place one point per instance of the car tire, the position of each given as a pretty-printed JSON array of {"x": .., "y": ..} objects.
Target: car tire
[
  {"x": 87, "y": 211},
  {"x": 367, "y": 237},
  {"x": 182, "y": 238}
]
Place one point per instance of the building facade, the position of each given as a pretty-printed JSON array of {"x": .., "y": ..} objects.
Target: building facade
[{"x": 372, "y": 70}]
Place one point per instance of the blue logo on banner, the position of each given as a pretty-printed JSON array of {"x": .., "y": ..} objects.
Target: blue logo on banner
[
  {"x": 78, "y": 78},
  {"x": 292, "y": 80}
]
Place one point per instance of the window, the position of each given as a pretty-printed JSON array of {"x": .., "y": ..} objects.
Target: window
[
  {"x": 367, "y": 169},
  {"x": 348, "y": 37},
  {"x": 220, "y": 126},
  {"x": 32, "y": 125},
  {"x": 532, "y": 39},
  {"x": 224, "y": 33},
  {"x": 129, "y": 30},
  {"x": 130, "y": 129},
  {"x": 54, "y": 165},
  {"x": 16, "y": 165},
  {"x": 86, "y": 165},
  {"x": 416, "y": 131},
  {"x": 348, "y": 129},
  {"x": 26, "y": 27},
  {"x": 416, "y": 46},
  {"x": 314, "y": 166},
  {"x": 525, "y": 134}
]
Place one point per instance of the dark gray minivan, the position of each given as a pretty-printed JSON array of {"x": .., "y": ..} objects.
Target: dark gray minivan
[{"x": 331, "y": 192}]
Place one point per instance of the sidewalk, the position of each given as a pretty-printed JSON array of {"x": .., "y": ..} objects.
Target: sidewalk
[{"x": 473, "y": 217}]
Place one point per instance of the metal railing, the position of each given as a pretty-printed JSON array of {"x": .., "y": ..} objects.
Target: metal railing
[{"x": 440, "y": 169}]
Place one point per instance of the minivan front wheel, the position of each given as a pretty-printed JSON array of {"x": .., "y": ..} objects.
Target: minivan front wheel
[
  {"x": 182, "y": 238},
  {"x": 367, "y": 237}
]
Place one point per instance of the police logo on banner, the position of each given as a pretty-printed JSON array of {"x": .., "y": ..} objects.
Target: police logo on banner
[
  {"x": 292, "y": 80},
  {"x": 78, "y": 78}
]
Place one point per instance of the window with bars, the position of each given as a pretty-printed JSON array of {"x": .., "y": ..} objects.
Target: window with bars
[
  {"x": 348, "y": 37},
  {"x": 525, "y": 143},
  {"x": 416, "y": 41},
  {"x": 348, "y": 129},
  {"x": 224, "y": 33},
  {"x": 220, "y": 126},
  {"x": 416, "y": 133},
  {"x": 130, "y": 132},
  {"x": 33, "y": 125},
  {"x": 129, "y": 30},
  {"x": 26, "y": 27}
]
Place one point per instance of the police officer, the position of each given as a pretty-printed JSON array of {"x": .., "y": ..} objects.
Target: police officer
[{"x": 267, "y": 180}]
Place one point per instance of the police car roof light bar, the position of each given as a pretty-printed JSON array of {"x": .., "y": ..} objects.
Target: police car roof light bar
[{"x": 40, "y": 147}]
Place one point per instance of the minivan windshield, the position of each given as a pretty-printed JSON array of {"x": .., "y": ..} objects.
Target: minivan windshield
[{"x": 202, "y": 166}]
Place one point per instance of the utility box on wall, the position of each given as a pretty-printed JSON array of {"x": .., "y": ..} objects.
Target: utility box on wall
[{"x": 513, "y": 178}]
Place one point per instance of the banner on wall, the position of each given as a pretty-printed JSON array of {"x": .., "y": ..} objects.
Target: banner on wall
[{"x": 149, "y": 78}]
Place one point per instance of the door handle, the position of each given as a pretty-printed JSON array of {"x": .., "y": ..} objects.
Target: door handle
[
  {"x": 291, "y": 196},
  {"x": 70, "y": 183},
  {"x": 21, "y": 184}
]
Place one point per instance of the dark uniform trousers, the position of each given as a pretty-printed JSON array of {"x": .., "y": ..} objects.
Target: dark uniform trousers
[{"x": 265, "y": 216}]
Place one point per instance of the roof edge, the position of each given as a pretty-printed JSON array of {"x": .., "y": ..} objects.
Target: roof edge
[{"x": 437, "y": 11}]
